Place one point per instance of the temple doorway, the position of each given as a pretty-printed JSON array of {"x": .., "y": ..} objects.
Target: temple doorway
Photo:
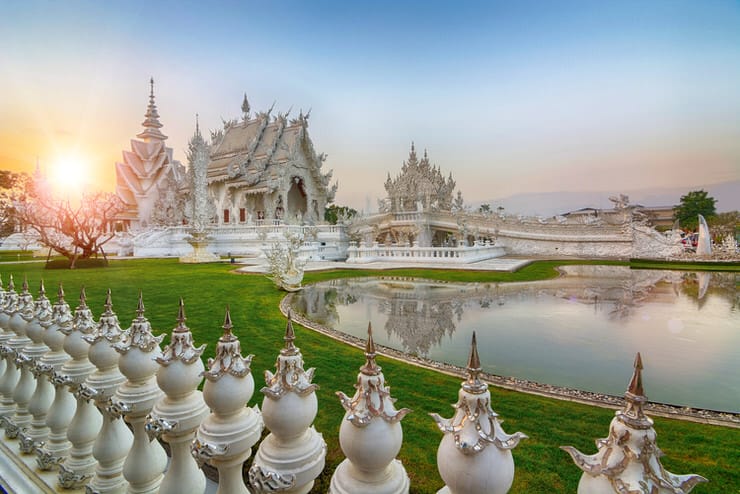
[{"x": 297, "y": 201}]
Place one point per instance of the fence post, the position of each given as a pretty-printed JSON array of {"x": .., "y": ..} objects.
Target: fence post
[
  {"x": 79, "y": 466},
  {"x": 474, "y": 456},
  {"x": 226, "y": 436},
  {"x": 134, "y": 399},
  {"x": 292, "y": 455},
  {"x": 177, "y": 415},
  {"x": 25, "y": 385},
  {"x": 115, "y": 439},
  {"x": 370, "y": 435},
  {"x": 10, "y": 377}
]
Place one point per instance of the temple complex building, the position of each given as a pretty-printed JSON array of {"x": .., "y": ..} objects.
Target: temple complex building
[{"x": 265, "y": 168}]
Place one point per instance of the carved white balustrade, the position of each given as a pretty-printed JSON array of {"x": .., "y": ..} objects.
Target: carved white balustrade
[
  {"x": 474, "y": 456},
  {"x": 146, "y": 462},
  {"x": 292, "y": 455},
  {"x": 629, "y": 459},
  {"x": 370, "y": 435},
  {"x": 25, "y": 385},
  {"x": 3, "y": 324},
  {"x": 79, "y": 467},
  {"x": 226, "y": 436},
  {"x": 10, "y": 376},
  {"x": 43, "y": 393},
  {"x": 56, "y": 448},
  {"x": 177, "y": 415},
  {"x": 115, "y": 439}
]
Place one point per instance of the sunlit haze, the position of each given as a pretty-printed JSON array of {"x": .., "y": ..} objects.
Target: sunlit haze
[{"x": 511, "y": 97}]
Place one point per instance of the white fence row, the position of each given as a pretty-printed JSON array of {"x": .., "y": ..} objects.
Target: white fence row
[{"x": 82, "y": 402}]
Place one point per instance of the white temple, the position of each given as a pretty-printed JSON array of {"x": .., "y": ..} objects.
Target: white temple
[{"x": 148, "y": 179}]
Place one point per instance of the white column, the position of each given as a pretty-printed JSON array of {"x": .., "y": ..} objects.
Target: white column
[
  {"x": 474, "y": 456},
  {"x": 292, "y": 455},
  {"x": 226, "y": 436},
  {"x": 370, "y": 436},
  {"x": 56, "y": 448},
  {"x": 177, "y": 415},
  {"x": 135, "y": 398},
  {"x": 43, "y": 393},
  {"x": 9, "y": 379},
  {"x": 115, "y": 439},
  {"x": 79, "y": 466}
]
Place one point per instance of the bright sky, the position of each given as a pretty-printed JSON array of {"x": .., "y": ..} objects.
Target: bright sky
[{"x": 511, "y": 97}]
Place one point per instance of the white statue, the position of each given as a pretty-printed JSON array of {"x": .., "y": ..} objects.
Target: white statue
[{"x": 286, "y": 269}]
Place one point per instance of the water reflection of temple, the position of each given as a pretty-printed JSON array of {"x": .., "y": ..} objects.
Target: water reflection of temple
[{"x": 421, "y": 313}]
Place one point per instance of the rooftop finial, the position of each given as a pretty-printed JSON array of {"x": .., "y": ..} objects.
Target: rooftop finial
[
  {"x": 42, "y": 290},
  {"x": 140, "y": 306},
  {"x": 290, "y": 348},
  {"x": 245, "y": 107},
  {"x": 473, "y": 384},
  {"x": 60, "y": 292},
  {"x": 370, "y": 368},
  {"x": 151, "y": 123},
  {"x": 197, "y": 125}
]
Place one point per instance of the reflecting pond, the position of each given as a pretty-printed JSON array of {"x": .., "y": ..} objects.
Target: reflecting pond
[{"x": 581, "y": 330}]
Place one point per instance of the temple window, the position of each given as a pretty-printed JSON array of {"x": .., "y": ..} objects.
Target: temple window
[
  {"x": 226, "y": 215},
  {"x": 242, "y": 215}
]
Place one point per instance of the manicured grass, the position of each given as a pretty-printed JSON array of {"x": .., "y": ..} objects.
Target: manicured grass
[
  {"x": 711, "y": 451},
  {"x": 693, "y": 266}
]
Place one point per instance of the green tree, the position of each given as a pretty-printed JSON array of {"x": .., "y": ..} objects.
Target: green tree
[
  {"x": 333, "y": 213},
  {"x": 484, "y": 208},
  {"x": 14, "y": 187},
  {"x": 697, "y": 202}
]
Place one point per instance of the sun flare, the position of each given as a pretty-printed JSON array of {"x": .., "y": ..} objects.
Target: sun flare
[{"x": 69, "y": 172}]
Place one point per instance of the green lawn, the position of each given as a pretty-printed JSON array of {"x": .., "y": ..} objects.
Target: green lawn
[{"x": 711, "y": 451}]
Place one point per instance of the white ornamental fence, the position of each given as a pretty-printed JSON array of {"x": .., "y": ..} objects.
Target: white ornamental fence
[{"x": 86, "y": 405}]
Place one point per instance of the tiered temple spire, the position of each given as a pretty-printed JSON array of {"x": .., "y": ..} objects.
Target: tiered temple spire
[{"x": 151, "y": 123}]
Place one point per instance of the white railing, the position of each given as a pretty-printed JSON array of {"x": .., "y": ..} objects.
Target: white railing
[
  {"x": 441, "y": 255},
  {"x": 85, "y": 404}
]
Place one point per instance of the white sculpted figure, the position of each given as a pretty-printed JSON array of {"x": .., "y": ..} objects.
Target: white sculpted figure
[{"x": 286, "y": 269}]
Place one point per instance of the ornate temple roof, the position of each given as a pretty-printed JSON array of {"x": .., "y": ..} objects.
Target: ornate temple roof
[
  {"x": 419, "y": 181},
  {"x": 245, "y": 152}
]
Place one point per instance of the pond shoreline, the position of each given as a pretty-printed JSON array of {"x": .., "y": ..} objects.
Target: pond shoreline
[{"x": 711, "y": 417}]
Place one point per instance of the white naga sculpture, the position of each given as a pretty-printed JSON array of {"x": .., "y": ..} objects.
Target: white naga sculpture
[
  {"x": 704, "y": 243},
  {"x": 370, "y": 435},
  {"x": 629, "y": 459},
  {"x": 285, "y": 267},
  {"x": 474, "y": 456}
]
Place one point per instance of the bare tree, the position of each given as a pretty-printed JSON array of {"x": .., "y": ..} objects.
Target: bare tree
[{"x": 76, "y": 231}]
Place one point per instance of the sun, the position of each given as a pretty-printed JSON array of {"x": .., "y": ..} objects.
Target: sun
[{"x": 69, "y": 173}]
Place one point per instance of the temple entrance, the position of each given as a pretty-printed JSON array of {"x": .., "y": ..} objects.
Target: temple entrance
[{"x": 297, "y": 201}]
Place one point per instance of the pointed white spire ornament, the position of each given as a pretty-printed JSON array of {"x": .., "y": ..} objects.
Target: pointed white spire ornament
[
  {"x": 151, "y": 121},
  {"x": 79, "y": 467},
  {"x": 292, "y": 455},
  {"x": 370, "y": 435},
  {"x": 629, "y": 459},
  {"x": 474, "y": 456},
  {"x": 225, "y": 438},
  {"x": 25, "y": 385},
  {"x": 115, "y": 439},
  {"x": 145, "y": 464},
  {"x": 43, "y": 392},
  {"x": 177, "y": 415},
  {"x": 56, "y": 448}
]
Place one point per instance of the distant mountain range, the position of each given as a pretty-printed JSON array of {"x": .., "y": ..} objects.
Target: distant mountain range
[{"x": 554, "y": 203}]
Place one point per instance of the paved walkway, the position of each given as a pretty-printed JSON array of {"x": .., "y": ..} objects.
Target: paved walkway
[{"x": 498, "y": 264}]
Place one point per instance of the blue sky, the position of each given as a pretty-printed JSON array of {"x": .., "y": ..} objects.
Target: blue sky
[{"x": 511, "y": 97}]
